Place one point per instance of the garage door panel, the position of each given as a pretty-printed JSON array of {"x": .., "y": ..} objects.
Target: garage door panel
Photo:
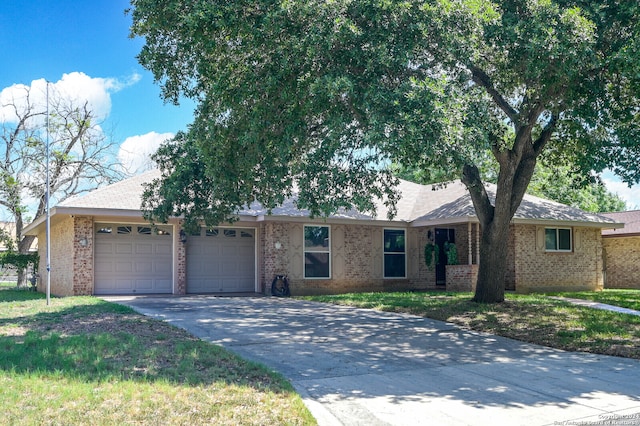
[
  {"x": 229, "y": 269},
  {"x": 144, "y": 285},
  {"x": 162, "y": 286},
  {"x": 123, "y": 267},
  {"x": 163, "y": 248},
  {"x": 144, "y": 267},
  {"x": 209, "y": 250},
  {"x": 222, "y": 261},
  {"x": 229, "y": 251},
  {"x": 103, "y": 248},
  {"x": 132, "y": 263},
  {"x": 104, "y": 267},
  {"x": 124, "y": 248},
  {"x": 236, "y": 284},
  {"x": 123, "y": 284},
  {"x": 162, "y": 268},
  {"x": 144, "y": 248}
]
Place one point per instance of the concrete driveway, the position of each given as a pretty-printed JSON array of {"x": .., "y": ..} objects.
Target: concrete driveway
[{"x": 362, "y": 367}]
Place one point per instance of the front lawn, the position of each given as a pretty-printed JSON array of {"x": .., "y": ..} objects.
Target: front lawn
[
  {"x": 86, "y": 361},
  {"x": 531, "y": 318}
]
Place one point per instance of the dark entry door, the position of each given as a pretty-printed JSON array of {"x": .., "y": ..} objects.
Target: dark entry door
[{"x": 443, "y": 235}]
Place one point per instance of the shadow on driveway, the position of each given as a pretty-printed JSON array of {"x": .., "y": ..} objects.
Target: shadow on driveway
[{"x": 364, "y": 367}]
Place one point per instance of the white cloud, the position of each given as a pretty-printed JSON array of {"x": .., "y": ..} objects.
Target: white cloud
[
  {"x": 77, "y": 87},
  {"x": 135, "y": 152},
  {"x": 629, "y": 194}
]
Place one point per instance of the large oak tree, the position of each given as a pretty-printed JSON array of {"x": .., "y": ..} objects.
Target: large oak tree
[{"x": 324, "y": 95}]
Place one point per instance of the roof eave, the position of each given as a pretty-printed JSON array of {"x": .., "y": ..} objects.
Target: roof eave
[
  {"x": 444, "y": 221},
  {"x": 331, "y": 220},
  {"x": 564, "y": 222}
]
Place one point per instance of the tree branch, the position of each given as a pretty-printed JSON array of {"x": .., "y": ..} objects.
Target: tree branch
[
  {"x": 479, "y": 196},
  {"x": 481, "y": 78},
  {"x": 545, "y": 136}
]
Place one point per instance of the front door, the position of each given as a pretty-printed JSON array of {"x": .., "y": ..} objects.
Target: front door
[{"x": 443, "y": 236}]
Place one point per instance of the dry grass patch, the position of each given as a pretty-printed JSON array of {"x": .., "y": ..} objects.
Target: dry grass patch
[{"x": 86, "y": 361}]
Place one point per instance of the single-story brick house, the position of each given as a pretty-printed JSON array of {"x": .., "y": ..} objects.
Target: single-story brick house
[
  {"x": 621, "y": 251},
  {"x": 100, "y": 244}
]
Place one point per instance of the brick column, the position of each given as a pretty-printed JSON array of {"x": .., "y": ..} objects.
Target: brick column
[
  {"x": 181, "y": 263},
  {"x": 83, "y": 234}
]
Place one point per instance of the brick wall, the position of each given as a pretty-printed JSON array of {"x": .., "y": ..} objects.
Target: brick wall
[
  {"x": 71, "y": 261},
  {"x": 180, "y": 263},
  {"x": 462, "y": 277},
  {"x": 541, "y": 271},
  {"x": 622, "y": 261},
  {"x": 510, "y": 277},
  {"x": 356, "y": 259},
  {"x": 83, "y": 237},
  {"x": 62, "y": 259}
]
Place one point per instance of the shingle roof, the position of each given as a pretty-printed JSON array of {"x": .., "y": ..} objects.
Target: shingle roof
[
  {"x": 123, "y": 195},
  {"x": 455, "y": 202},
  {"x": 420, "y": 203},
  {"x": 631, "y": 220}
]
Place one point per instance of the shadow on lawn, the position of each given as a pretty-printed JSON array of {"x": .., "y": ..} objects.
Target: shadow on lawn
[{"x": 104, "y": 342}]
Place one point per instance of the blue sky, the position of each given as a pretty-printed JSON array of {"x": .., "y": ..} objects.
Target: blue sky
[
  {"x": 85, "y": 45},
  {"x": 88, "y": 41}
]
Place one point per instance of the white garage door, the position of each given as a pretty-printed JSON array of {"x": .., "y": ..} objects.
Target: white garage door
[
  {"x": 221, "y": 260},
  {"x": 133, "y": 259}
]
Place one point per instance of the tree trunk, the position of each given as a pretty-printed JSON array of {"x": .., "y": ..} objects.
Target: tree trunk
[{"x": 493, "y": 264}]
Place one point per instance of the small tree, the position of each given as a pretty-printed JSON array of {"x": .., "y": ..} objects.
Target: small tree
[{"x": 80, "y": 156}]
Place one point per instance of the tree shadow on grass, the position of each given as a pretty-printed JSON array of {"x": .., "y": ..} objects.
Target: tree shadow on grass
[{"x": 102, "y": 341}]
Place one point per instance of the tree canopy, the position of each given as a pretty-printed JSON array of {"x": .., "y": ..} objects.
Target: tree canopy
[
  {"x": 324, "y": 96},
  {"x": 79, "y": 155}
]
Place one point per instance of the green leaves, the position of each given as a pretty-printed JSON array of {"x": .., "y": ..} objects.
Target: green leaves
[{"x": 324, "y": 96}]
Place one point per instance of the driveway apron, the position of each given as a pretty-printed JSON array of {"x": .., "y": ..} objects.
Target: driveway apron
[{"x": 363, "y": 367}]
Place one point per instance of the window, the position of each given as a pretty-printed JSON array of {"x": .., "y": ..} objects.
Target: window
[
  {"x": 124, "y": 230},
  {"x": 144, "y": 230},
  {"x": 557, "y": 239},
  {"x": 317, "y": 252},
  {"x": 395, "y": 255}
]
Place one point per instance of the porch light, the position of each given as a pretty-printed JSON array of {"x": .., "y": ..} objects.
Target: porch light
[{"x": 183, "y": 236}]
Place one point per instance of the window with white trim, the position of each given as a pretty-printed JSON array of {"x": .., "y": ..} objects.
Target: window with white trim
[
  {"x": 557, "y": 239},
  {"x": 395, "y": 254},
  {"x": 317, "y": 252}
]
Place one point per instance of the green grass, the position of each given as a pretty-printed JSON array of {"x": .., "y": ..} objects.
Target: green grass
[
  {"x": 82, "y": 360},
  {"x": 531, "y": 318}
]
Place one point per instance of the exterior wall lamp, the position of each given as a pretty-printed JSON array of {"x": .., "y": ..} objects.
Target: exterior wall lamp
[{"x": 183, "y": 236}]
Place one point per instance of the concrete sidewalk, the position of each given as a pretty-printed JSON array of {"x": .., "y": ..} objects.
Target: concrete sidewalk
[
  {"x": 598, "y": 305},
  {"x": 363, "y": 367}
]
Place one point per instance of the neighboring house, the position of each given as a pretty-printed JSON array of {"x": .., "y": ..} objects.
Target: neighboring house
[
  {"x": 100, "y": 244},
  {"x": 622, "y": 251}
]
